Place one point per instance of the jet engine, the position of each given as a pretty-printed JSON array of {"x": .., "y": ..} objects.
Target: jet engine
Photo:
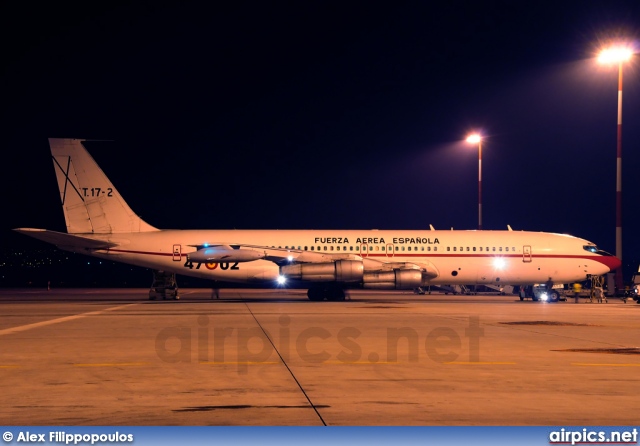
[
  {"x": 225, "y": 254},
  {"x": 339, "y": 271},
  {"x": 399, "y": 279}
]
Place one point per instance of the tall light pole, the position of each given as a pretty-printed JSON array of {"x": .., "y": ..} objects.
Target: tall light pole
[
  {"x": 618, "y": 55},
  {"x": 477, "y": 139}
]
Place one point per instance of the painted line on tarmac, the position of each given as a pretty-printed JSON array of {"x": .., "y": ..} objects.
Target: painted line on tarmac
[
  {"x": 582, "y": 364},
  {"x": 479, "y": 363},
  {"x": 113, "y": 364},
  {"x": 365, "y": 362},
  {"x": 59, "y": 320},
  {"x": 353, "y": 363},
  {"x": 237, "y": 363},
  {"x": 304, "y": 392}
]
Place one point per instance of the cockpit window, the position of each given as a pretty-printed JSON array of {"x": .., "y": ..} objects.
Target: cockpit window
[{"x": 594, "y": 249}]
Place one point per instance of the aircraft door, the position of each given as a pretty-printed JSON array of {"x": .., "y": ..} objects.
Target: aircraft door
[
  {"x": 177, "y": 253},
  {"x": 526, "y": 253},
  {"x": 364, "y": 250},
  {"x": 390, "y": 248}
]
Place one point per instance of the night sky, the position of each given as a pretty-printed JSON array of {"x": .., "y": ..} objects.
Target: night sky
[{"x": 326, "y": 115}]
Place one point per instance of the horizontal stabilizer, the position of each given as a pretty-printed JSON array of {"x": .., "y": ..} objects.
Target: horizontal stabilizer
[{"x": 68, "y": 241}]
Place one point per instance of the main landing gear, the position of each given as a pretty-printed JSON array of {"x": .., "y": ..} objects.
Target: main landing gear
[
  {"x": 164, "y": 286},
  {"x": 330, "y": 292},
  {"x": 544, "y": 293}
]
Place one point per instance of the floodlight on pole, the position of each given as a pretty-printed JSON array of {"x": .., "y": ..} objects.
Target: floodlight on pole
[
  {"x": 476, "y": 138},
  {"x": 618, "y": 55}
]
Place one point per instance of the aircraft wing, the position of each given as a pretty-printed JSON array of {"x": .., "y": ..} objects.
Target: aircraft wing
[
  {"x": 66, "y": 241},
  {"x": 288, "y": 258},
  {"x": 293, "y": 262},
  {"x": 230, "y": 252},
  {"x": 293, "y": 255}
]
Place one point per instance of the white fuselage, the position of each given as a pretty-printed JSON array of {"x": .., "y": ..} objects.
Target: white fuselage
[{"x": 451, "y": 257}]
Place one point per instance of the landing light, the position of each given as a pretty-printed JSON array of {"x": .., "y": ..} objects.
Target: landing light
[
  {"x": 290, "y": 258},
  {"x": 281, "y": 280},
  {"x": 499, "y": 263},
  {"x": 544, "y": 297}
]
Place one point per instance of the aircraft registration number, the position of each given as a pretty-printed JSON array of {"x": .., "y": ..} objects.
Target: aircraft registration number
[{"x": 212, "y": 265}]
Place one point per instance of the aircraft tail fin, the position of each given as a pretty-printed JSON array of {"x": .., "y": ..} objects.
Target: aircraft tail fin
[{"x": 90, "y": 203}]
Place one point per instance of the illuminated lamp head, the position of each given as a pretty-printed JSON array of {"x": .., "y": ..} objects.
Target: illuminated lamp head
[
  {"x": 474, "y": 138},
  {"x": 617, "y": 54}
]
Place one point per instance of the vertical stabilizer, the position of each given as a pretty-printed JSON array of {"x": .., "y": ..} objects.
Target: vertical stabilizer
[{"x": 90, "y": 202}]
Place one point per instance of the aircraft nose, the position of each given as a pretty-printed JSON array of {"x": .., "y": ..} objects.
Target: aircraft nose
[{"x": 611, "y": 262}]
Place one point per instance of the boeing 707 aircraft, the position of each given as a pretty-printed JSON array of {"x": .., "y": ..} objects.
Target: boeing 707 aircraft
[{"x": 101, "y": 224}]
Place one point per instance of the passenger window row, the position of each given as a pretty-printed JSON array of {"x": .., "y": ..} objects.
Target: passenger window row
[
  {"x": 482, "y": 249},
  {"x": 383, "y": 248}
]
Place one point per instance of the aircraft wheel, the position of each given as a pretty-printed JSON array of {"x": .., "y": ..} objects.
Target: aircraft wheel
[
  {"x": 335, "y": 294},
  {"x": 315, "y": 294}
]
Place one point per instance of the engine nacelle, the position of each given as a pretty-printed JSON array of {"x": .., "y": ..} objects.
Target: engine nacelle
[
  {"x": 225, "y": 254},
  {"x": 339, "y": 271},
  {"x": 400, "y": 279}
]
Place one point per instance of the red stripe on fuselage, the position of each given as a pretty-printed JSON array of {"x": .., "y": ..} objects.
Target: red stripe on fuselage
[
  {"x": 169, "y": 254},
  {"x": 610, "y": 261}
]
